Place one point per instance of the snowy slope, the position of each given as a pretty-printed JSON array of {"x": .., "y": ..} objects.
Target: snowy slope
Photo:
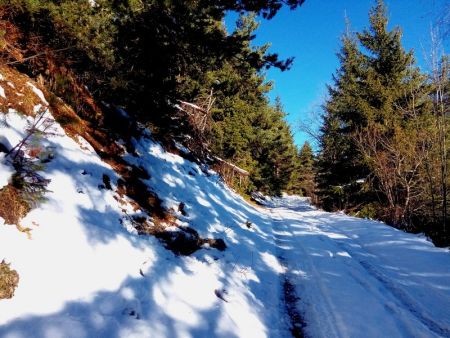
[{"x": 85, "y": 272}]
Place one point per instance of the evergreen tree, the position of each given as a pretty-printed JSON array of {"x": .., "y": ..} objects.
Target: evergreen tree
[
  {"x": 384, "y": 122},
  {"x": 339, "y": 164},
  {"x": 294, "y": 187},
  {"x": 277, "y": 156},
  {"x": 306, "y": 170},
  {"x": 144, "y": 56},
  {"x": 246, "y": 129},
  {"x": 387, "y": 68},
  {"x": 392, "y": 142},
  {"x": 368, "y": 90}
]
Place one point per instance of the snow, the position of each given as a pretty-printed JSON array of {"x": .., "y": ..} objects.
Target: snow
[
  {"x": 38, "y": 93},
  {"x": 7, "y": 134},
  {"x": 2, "y": 92},
  {"x": 64, "y": 249},
  {"x": 363, "y": 278},
  {"x": 5, "y": 171},
  {"x": 86, "y": 273}
]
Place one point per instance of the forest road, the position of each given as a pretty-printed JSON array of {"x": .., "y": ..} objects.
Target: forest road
[{"x": 349, "y": 277}]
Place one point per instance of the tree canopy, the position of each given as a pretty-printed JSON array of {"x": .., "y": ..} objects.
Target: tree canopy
[
  {"x": 379, "y": 142},
  {"x": 145, "y": 56}
]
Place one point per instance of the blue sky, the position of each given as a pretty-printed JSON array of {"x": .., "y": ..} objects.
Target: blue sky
[{"x": 312, "y": 33}]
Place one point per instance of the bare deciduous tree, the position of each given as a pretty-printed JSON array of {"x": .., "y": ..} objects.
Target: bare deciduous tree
[{"x": 396, "y": 160}]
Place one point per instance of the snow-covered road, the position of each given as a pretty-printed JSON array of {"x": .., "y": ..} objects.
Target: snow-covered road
[
  {"x": 360, "y": 278},
  {"x": 85, "y": 272}
]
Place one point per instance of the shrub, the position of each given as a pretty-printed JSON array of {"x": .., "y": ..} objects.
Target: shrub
[
  {"x": 13, "y": 206},
  {"x": 31, "y": 185},
  {"x": 9, "y": 279},
  {"x": 369, "y": 211}
]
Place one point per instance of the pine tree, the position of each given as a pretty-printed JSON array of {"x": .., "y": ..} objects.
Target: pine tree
[
  {"x": 393, "y": 143},
  {"x": 273, "y": 149},
  {"x": 145, "y": 56},
  {"x": 339, "y": 164},
  {"x": 388, "y": 66},
  {"x": 381, "y": 123},
  {"x": 372, "y": 91},
  {"x": 306, "y": 170}
]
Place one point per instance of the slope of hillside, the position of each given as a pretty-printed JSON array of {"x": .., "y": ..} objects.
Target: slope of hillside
[{"x": 84, "y": 270}]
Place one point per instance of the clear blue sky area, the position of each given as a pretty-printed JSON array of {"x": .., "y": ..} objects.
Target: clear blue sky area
[{"x": 312, "y": 33}]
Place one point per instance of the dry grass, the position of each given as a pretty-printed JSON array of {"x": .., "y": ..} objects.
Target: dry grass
[
  {"x": 9, "y": 39},
  {"x": 19, "y": 94},
  {"x": 12, "y": 206},
  {"x": 66, "y": 117},
  {"x": 9, "y": 279}
]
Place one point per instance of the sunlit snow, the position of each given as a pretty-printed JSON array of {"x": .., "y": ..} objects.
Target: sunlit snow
[{"x": 86, "y": 273}]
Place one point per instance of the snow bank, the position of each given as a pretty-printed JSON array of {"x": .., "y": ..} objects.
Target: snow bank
[
  {"x": 83, "y": 274},
  {"x": 78, "y": 244}
]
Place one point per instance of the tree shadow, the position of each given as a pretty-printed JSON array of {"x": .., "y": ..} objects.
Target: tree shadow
[{"x": 150, "y": 303}]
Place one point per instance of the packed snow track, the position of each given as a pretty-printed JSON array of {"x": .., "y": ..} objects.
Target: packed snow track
[{"x": 360, "y": 278}]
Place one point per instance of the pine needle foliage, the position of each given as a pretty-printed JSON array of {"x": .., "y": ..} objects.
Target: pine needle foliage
[{"x": 379, "y": 137}]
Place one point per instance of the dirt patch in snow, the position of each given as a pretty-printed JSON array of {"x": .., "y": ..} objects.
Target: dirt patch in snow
[
  {"x": 181, "y": 240},
  {"x": 103, "y": 140},
  {"x": 101, "y": 126},
  {"x": 17, "y": 92}
]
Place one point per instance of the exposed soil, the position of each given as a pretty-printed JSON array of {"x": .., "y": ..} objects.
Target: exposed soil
[{"x": 184, "y": 241}]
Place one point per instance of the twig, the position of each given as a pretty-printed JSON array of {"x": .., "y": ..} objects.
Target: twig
[{"x": 37, "y": 55}]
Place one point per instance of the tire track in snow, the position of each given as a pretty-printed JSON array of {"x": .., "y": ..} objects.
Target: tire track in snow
[
  {"x": 394, "y": 300},
  {"x": 298, "y": 323},
  {"x": 390, "y": 303},
  {"x": 402, "y": 298},
  {"x": 405, "y": 301},
  {"x": 288, "y": 294}
]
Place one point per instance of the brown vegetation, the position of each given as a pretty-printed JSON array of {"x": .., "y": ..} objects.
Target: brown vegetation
[
  {"x": 396, "y": 162},
  {"x": 12, "y": 205},
  {"x": 182, "y": 241},
  {"x": 19, "y": 94},
  {"x": 9, "y": 279}
]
